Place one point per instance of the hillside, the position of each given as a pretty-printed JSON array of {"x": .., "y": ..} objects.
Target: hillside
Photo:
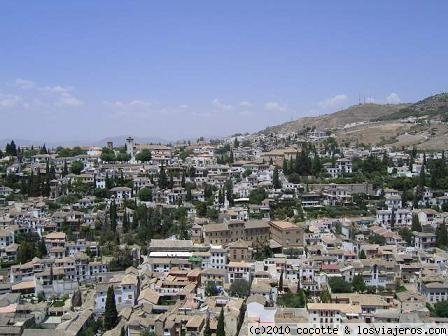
[
  {"x": 434, "y": 106},
  {"x": 383, "y": 124},
  {"x": 353, "y": 114}
]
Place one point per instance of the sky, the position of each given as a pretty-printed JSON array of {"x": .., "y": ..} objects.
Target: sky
[{"x": 87, "y": 69}]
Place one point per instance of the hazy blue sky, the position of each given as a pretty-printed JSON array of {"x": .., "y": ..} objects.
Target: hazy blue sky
[{"x": 172, "y": 69}]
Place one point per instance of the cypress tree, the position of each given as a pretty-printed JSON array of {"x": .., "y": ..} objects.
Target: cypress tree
[
  {"x": 285, "y": 166},
  {"x": 46, "y": 190},
  {"x": 125, "y": 221},
  {"x": 65, "y": 169},
  {"x": 52, "y": 172},
  {"x": 416, "y": 226},
  {"x": 231, "y": 157},
  {"x": 182, "y": 181},
  {"x": 207, "y": 330},
  {"x": 110, "y": 313},
  {"x": 108, "y": 182},
  {"x": 280, "y": 282},
  {"x": 43, "y": 150},
  {"x": 276, "y": 180},
  {"x": 236, "y": 143},
  {"x": 297, "y": 166},
  {"x": 30, "y": 184},
  {"x": 362, "y": 255},
  {"x": 188, "y": 196},
  {"x": 441, "y": 235},
  {"x": 302, "y": 299},
  {"x": 42, "y": 248},
  {"x": 317, "y": 165},
  {"x": 220, "y": 196},
  {"x": 113, "y": 216},
  {"x": 422, "y": 177},
  {"x": 163, "y": 181},
  {"x": 325, "y": 296},
  {"x": 12, "y": 148},
  {"x": 229, "y": 192},
  {"x": 220, "y": 331}
]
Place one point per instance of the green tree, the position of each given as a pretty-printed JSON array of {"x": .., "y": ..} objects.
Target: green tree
[
  {"x": 302, "y": 297},
  {"x": 144, "y": 155},
  {"x": 145, "y": 194},
  {"x": 293, "y": 300},
  {"x": 107, "y": 154},
  {"x": 339, "y": 285},
  {"x": 77, "y": 298},
  {"x": 122, "y": 155},
  {"x": 220, "y": 331},
  {"x": 257, "y": 195},
  {"x": 358, "y": 283},
  {"x": 211, "y": 289},
  {"x": 276, "y": 180},
  {"x": 69, "y": 152},
  {"x": 441, "y": 309},
  {"x": 406, "y": 235},
  {"x": 212, "y": 213},
  {"x": 183, "y": 229},
  {"x": 201, "y": 209},
  {"x": 11, "y": 149},
  {"x": 325, "y": 296},
  {"x": 76, "y": 167},
  {"x": 43, "y": 150},
  {"x": 25, "y": 252},
  {"x": 377, "y": 239},
  {"x": 362, "y": 254},
  {"x": 110, "y": 313},
  {"x": 239, "y": 288}
]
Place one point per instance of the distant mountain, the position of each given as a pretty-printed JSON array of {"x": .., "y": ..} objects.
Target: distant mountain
[
  {"x": 117, "y": 140},
  {"x": 21, "y": 142},
  {"x": 353, "y": 114},
  {"x": 121, "y": 139}
]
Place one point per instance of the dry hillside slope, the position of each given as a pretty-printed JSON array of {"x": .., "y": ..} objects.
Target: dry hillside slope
[
  {"x": 353, "y": 114},
  {"x": 383, "y": 124}
]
